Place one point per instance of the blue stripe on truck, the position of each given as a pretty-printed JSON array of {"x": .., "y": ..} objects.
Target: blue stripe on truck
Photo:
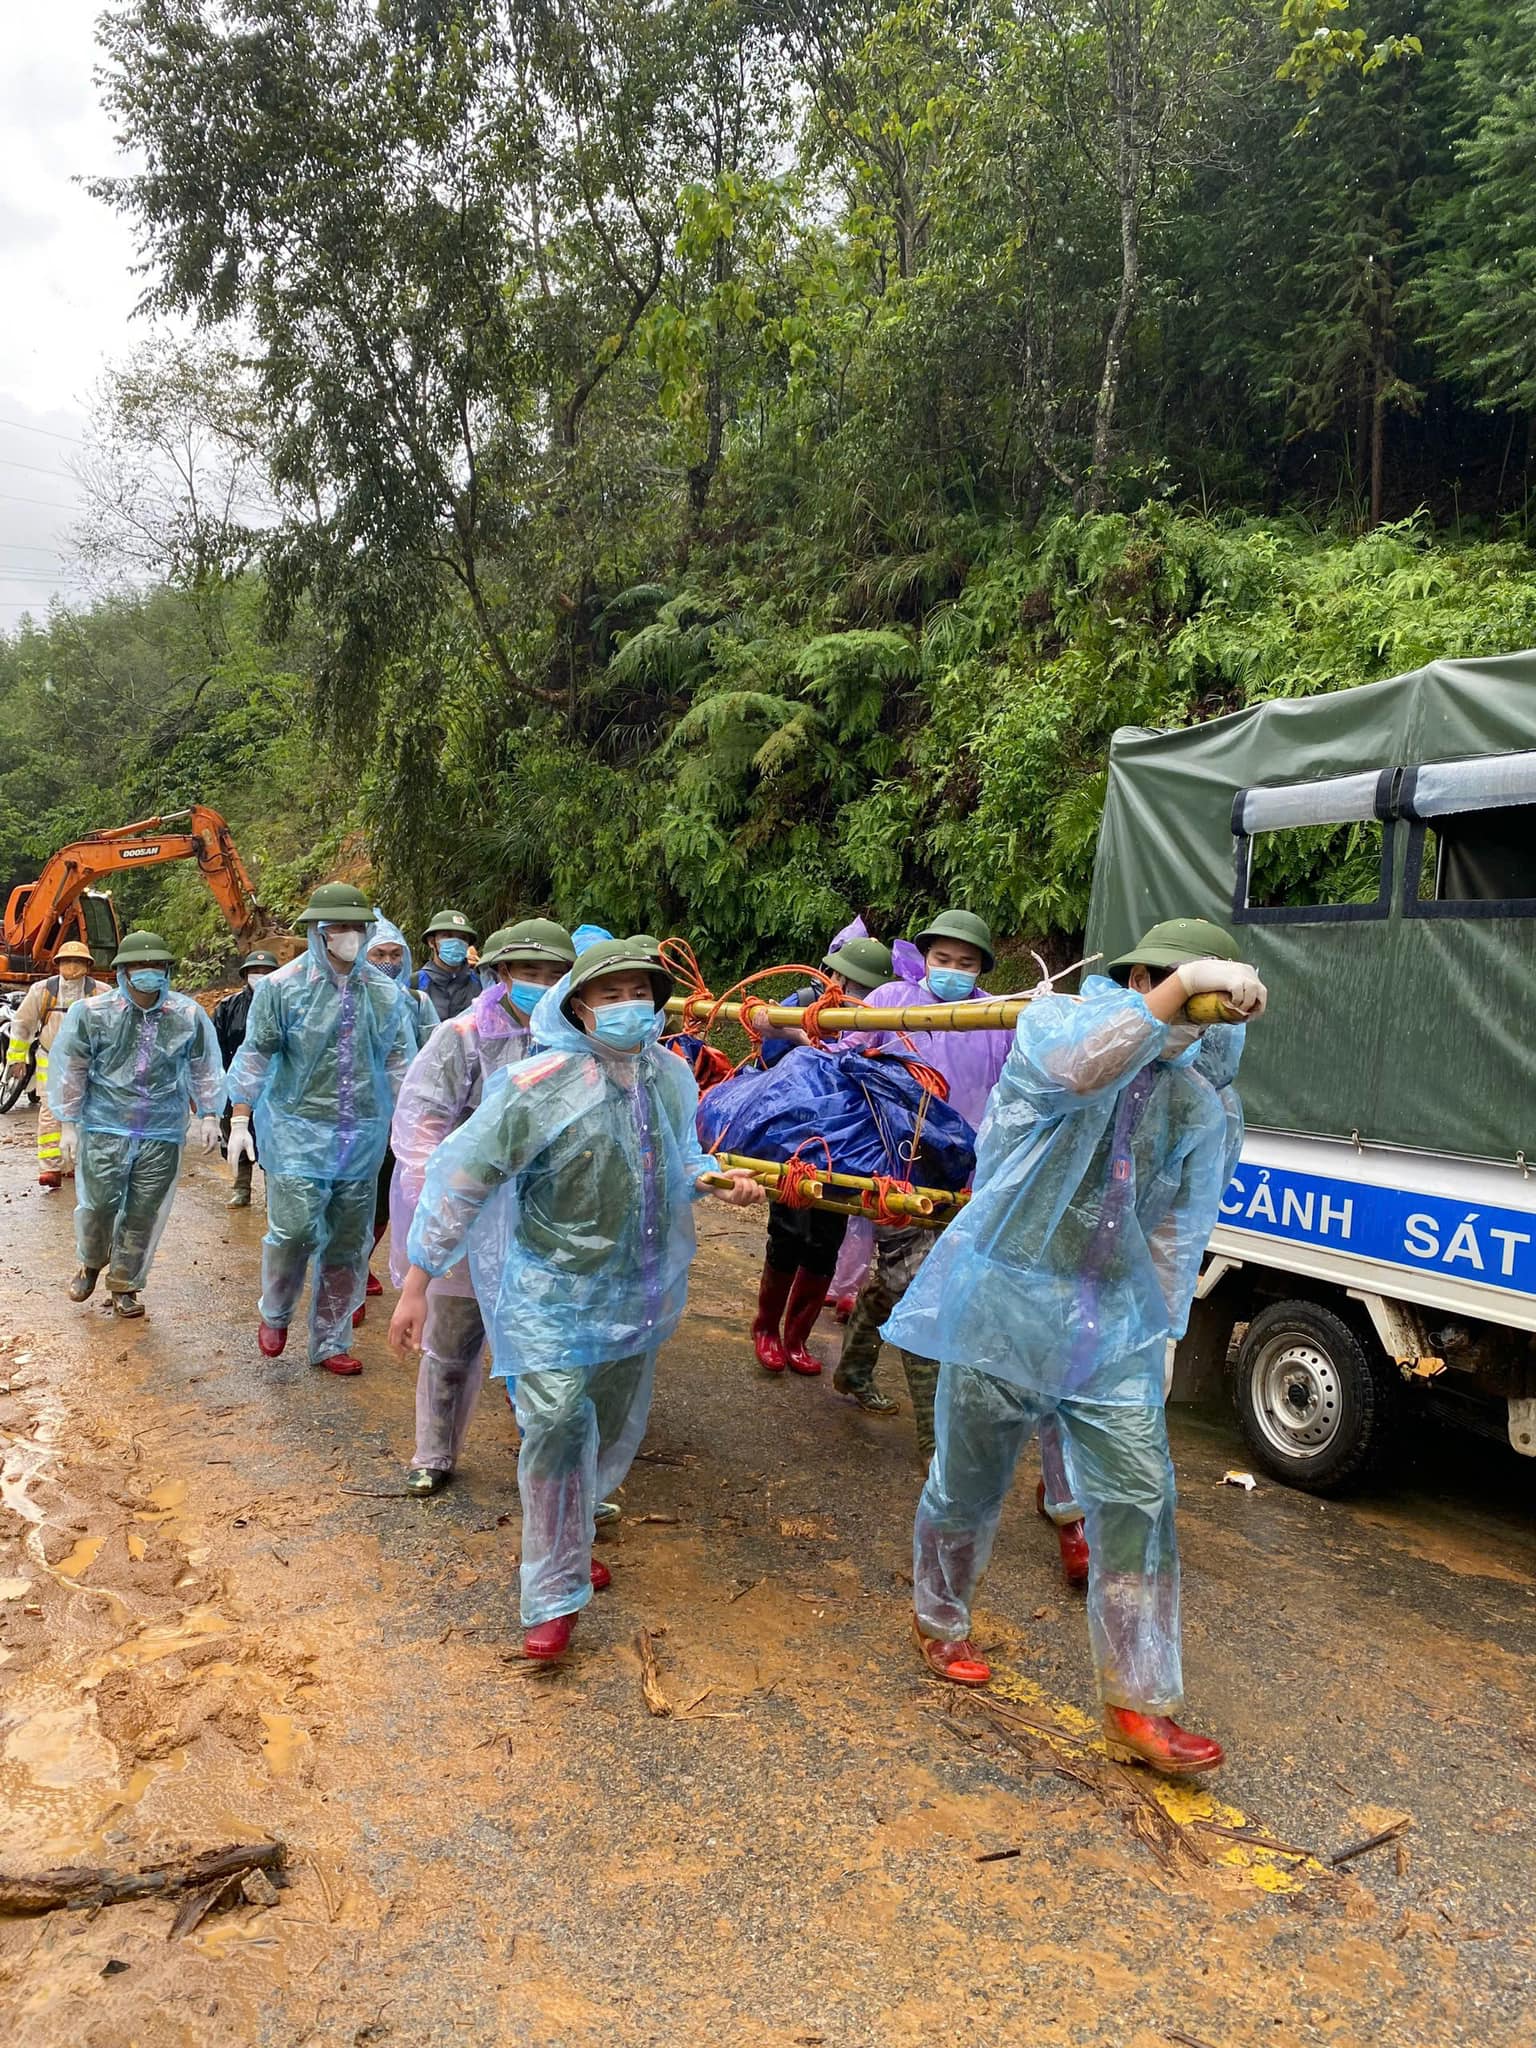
[{"x": 1425, "y": 1233}]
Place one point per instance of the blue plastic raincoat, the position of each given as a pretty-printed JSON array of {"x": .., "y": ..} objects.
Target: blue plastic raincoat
[
  {"x": 126, "y": 1076},
  {"x": 323, "y": 1059},
  {"x": 134, "y": 1073},
  {"x": 444, "y": 1087},
  {"x": 424, "y": 1020},
  {"x": 1100, "y": 1168},
  {"x": 573, "y": 1187}
]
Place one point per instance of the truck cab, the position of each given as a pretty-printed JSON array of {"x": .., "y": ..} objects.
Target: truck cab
[{"x": 1374, "y": 851}]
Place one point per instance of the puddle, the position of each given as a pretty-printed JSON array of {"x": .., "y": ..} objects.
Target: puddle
[
  {"x": 285, "y": 1744},
  {"x": 228, "y": 1934},
  {"x": 61, "y": 1746},
  {"x": 168, "y": 1495},
  {"x": 162, "y": 1639},
  {"x": 81, "y": 1558}
]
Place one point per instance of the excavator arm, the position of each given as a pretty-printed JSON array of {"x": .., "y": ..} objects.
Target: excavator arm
[{"x": 41, "y": 915}]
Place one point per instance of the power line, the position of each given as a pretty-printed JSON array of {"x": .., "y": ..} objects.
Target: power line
[
  {"x": 22, "y": 428},
  {"x": 10, "y": 462},
  {"x": 50, "y": 504}
]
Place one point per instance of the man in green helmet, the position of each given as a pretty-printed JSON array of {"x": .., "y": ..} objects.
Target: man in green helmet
[
  {"x": 443, "y": 1090},
  {"x": 448, "y": 979},
  {"x": 326, "y": 1048},
  {"x": 803, "y": 1244},
  {"x": 1055, "y": 1293},
  {"x": 943, "y": 964},
  {"x": 229, "y": 1020},
  {"x": 124, "y": 1068},
  {"x": 572, "y": 1188}
]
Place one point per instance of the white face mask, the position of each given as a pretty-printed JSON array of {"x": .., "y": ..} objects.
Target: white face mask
[{"x": 344, "y": 944}]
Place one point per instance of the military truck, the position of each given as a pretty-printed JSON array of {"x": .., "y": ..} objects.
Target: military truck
[{"x": 1375, "y": 851}]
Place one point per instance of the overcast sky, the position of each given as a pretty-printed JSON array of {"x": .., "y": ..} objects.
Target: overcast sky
[{"x": 69, "y": 288}]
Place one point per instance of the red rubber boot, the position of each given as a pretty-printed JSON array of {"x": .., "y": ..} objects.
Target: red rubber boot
[
  {"x": 1072, "y": 1538},
  {"x": 375, "y": 1286},
  {"x": 271, "y": 1339},
  {"x": 342, "y": 1363},
  {"x": 806, "y": 1300},
  {"x": 1158, "y": 1740},
  {"x": 958, "y": 1662},
  {"x": 1072, "y": 1541},
  {"x": 602, "y": 1578},
  {"x": 551, "y": 1639},
  {"x": 359, "y": 1314},
  {"x": 772, "y": 1298}
]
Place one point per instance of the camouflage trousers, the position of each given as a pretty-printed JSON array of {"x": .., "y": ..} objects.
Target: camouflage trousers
[{"x": 898, "y": 1254}]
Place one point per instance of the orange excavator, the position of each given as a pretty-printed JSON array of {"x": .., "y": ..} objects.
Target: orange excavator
[{"x": 62, "y": 903}]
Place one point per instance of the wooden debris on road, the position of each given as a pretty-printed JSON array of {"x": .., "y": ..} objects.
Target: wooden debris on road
[
  {"x": 1379, "y": 1841},
  {"x": 650, "y": 1680},
  {"x": 87, "y": 1886},
  {"x": 1255, "y": 1841},
  {"x": 1177, "y": 1848}
]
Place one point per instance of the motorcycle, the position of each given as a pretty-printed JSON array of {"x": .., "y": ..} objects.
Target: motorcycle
[{"x": 17, "y": 1078}]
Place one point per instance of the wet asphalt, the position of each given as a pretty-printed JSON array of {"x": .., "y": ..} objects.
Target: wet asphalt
[{"x": 794, "y": 1861}]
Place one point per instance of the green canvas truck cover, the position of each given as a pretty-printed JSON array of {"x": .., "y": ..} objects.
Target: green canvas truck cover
[{"x": 1406, "y": 1019}]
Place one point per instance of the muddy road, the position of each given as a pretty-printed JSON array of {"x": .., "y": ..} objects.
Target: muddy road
[{"x": 222, "y": 1620}]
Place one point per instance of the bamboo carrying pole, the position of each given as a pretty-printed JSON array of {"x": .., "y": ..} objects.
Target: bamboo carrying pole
[
  {"x": 985, "y": 1016},
  {"x": 919, "y": 1206},
  {"x": 996, "y": 1014}
]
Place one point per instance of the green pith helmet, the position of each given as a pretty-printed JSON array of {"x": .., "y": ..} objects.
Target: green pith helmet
[
  {"x": 1174, "y": 943},
  {"x": 966, "y": 928},
  {"x": 862, "y": 964},
  {"x": 537, "y": 940},
  {"x": 143, "y": 949},
  {"x": 336, "y": 903},
  {"x": 452, "y": 924},
  {"x": 260, "y": 958},
  {"x": 613, "y": 956}
]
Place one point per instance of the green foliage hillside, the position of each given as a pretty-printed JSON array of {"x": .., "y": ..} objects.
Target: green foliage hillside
[{"x": 720, "y": 467}]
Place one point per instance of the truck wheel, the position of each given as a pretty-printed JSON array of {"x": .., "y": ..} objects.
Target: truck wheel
[{"x": 1315, "y": 1407}]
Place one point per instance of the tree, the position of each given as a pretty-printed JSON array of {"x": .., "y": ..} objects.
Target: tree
[
  {"x": 1481, "y": 284},
  {"x": 444, "y": 226},
  {"x": 1139, "y": 84},
  {"x": 173, "y": 474}
]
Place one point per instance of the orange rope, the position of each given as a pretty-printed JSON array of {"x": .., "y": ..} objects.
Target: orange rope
[
  {"x": 797, "y": 1174},
  {"x": 875, "y": 1205}
]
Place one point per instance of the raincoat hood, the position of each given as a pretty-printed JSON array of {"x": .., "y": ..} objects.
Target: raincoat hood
[
  {"x": 382, "y": 933},
  {"x": 553, "y": 1029},
  {"x": 314, "y": 941},
  {"x": 572, "y": 1189}
]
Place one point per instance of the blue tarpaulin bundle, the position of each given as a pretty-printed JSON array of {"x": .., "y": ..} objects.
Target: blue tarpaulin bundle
[{"x": 865, "y": 1105}]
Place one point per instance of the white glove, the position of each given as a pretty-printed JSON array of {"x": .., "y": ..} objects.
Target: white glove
[
  {"x": 1238, "y": 986},
  {"x": 240, "y": 1145},
  {"x": 210, "y": 1133},
  {"x": 69, "y": 1144}
]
